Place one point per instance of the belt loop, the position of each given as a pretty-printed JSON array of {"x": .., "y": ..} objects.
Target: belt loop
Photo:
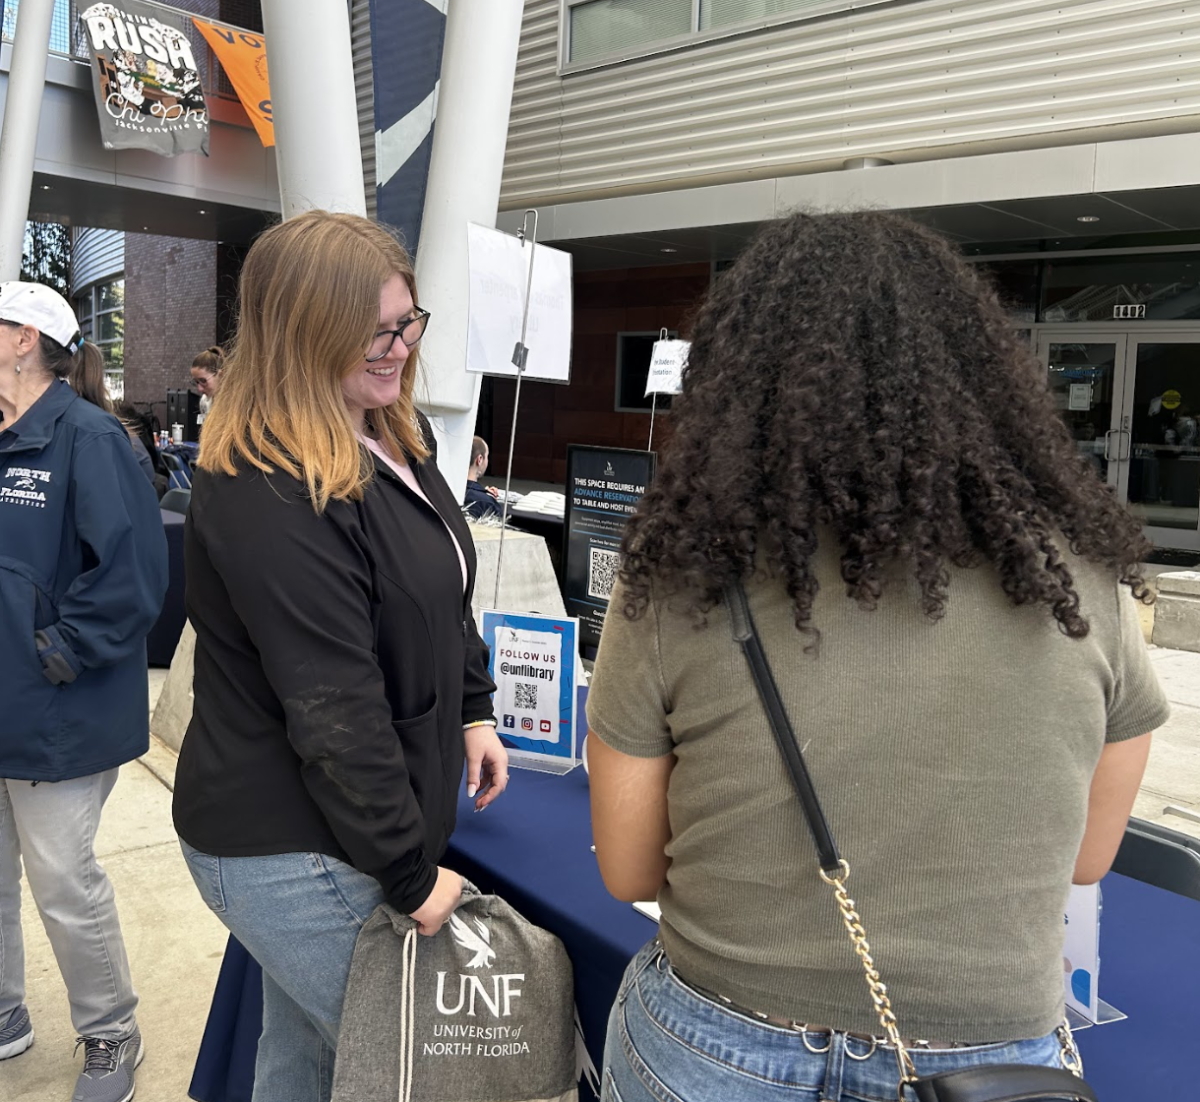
[{"x": 835, "y": 1062}]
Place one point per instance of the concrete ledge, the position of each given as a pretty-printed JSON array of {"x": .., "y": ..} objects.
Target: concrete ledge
[{"x": 1177, "y": 611}]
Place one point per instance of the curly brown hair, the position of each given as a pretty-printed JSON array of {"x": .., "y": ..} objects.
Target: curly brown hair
[{"x": 852, "y": 373}]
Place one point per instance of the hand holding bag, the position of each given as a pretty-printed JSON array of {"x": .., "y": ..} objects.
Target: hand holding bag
[
  {"x": 484, "y": 1011},
  {"x": 989, "y": 1083}
]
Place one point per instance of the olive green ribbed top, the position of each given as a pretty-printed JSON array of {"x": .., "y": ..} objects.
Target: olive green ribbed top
[{"x": 953, "y": 759}]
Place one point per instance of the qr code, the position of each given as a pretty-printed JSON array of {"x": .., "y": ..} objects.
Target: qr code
[
  {"x": 526, "y": 695},
  {"x": 602, "y": 572}
]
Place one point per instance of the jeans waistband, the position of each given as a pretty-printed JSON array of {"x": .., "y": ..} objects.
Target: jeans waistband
[{"x": 813, "y": 1030}]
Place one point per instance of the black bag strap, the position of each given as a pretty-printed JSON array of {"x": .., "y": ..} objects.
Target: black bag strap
[{"x": 746, "y": 634}]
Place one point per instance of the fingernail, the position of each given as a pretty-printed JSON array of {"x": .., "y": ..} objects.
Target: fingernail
[{"x": 471, "y": 790}]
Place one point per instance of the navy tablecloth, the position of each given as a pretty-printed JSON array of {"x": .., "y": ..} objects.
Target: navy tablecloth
[{"x": 533, "y": 847}]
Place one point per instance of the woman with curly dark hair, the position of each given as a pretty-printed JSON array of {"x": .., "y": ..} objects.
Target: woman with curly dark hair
[{"x": 946, "y": 593}]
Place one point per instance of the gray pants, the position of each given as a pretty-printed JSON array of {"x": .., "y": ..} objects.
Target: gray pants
[{"x": 52, "y": 825}]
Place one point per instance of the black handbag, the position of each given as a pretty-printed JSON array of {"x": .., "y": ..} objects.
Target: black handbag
[{"x": 994, "y": 1083}]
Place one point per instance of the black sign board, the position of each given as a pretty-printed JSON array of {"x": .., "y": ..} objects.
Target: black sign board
[{"x": 604, "y": 486}]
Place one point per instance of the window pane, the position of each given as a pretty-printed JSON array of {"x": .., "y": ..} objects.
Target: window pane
[
  {"x": 605, "y": 28},
  {"x": 111, "y": 328},
  {"x": 112, "y": 295},
  {"x": 1167, "y": 285},
  {"x": 723, "y": 13}
]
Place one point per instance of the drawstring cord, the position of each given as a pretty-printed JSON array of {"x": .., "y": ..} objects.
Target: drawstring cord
[{"x": 408, "y": 1003}]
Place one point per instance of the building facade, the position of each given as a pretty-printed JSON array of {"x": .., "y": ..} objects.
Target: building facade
[{"x": 1053, "y": 140}]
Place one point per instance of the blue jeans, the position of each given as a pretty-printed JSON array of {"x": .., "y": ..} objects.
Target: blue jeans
[
  {"x": 298, "y": 915},
  {"x": 668, "y": 1043}
]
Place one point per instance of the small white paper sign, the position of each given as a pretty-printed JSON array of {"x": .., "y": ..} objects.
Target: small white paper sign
[
  {"x": 498, "y": 275},
  {"x": 666, "y": 367},
  {"x": 1081, "y": 950},
  {"x": 1080, "y": 396}
]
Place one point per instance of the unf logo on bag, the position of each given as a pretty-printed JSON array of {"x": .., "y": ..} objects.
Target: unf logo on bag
[
  {"x": 498, "y": 994},
  {"x": 483, "y": 1012}
]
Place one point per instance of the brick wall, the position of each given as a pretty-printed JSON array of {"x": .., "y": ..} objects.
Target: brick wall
[
  {"x": 170, "y": 313},
  {"x": 553, "y": 416}
]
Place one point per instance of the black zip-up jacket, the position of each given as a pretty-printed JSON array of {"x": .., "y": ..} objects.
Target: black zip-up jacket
[{"x": 337, "y": 660}]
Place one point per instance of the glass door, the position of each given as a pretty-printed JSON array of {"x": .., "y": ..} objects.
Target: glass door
[
  {"x": 1132, "y": 402},
  {"x": 1162, "y": 402},
  {"x": 1085, "y": 372}
]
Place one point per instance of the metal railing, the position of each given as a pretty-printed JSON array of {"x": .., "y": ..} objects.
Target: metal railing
[{"x": 68, "y": 38}]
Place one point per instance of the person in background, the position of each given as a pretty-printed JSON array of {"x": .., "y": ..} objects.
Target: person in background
[
  {"x": 83, "y": 571},
  {"x": 343, "y": 673},
  {"x": 206, "y": 375},
  {"x": 946, "y": 593},
  {"x": 479, "y": 501},
  {"x": 141, "y": 427},
  {"x": 87, "y": 380}
]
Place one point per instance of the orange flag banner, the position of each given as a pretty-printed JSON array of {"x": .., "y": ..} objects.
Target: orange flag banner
[{"x": 243, "y": 55}]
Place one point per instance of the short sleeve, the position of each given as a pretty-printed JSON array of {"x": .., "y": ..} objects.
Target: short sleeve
[
  {"x": 627, "y": 702},
  {"x": 1138, "y": 704}
]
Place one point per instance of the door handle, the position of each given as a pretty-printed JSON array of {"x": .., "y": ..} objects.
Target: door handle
[{"x": 1123, "y": 453}]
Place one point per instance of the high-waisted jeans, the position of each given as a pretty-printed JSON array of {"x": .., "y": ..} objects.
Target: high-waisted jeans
[{"x": 668, "y": 1043}]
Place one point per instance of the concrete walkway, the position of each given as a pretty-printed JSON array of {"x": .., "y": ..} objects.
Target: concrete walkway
[{"x": 175, "y": 944}]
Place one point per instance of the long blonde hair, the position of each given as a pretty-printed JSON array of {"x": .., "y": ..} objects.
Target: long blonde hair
[{"x": 308, "y": 307}]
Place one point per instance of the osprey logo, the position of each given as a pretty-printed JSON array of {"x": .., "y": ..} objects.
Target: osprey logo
[
  {"x": 495, "y": 992},
  {"x": 478, "y": 943},
  {"x": 27, "y": 487}
]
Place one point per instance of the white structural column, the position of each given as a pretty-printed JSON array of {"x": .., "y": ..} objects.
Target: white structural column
[
  {"x": 479, "y": 63},
  {"x": 313, "y": 105},
  {"x": 18, "y": 141}
]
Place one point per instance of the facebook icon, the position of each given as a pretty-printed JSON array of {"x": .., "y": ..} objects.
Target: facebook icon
[{"x": 510, "y": 721}]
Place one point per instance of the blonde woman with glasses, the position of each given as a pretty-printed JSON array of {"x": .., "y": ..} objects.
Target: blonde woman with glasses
[{"x": 340, "y": 681}]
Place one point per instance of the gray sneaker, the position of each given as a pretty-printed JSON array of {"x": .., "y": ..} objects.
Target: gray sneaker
[
  {"x": 17, "y": 1034},
  {"x": 108, "y": 1067}
]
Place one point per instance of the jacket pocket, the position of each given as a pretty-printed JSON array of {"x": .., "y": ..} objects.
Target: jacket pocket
[
  {"x": 31, "y": 734},
  {"x": 420, "y": 741}
]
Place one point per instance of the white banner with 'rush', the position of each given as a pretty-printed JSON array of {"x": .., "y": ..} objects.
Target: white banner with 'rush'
[
  {"x": 145, "y": 77},
  {"x": 667, "y": 361}
]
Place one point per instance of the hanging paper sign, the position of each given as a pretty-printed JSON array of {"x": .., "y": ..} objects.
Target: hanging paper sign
[
  {"x": 533, "y": 662},
  {"x": 667, "y": 361},
  {"x": 145, "y": 78},
  {"x": 498, "y": 276},
  {"x": 243, "y": 56}
]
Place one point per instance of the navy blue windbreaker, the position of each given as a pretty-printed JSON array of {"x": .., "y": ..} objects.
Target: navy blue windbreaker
[{"x": 83, "y": 571}]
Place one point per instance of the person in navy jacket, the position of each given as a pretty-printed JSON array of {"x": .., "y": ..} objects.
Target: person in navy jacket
[{"x": 83, "y": 571}]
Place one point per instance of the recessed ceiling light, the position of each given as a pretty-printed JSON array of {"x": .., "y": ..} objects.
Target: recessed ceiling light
[
  {"x": 201, "y": 211},
  {"x": 1087, "y": 218},
  {"x": 46, "y": 187},
  {"x": 668, "y": 249}
]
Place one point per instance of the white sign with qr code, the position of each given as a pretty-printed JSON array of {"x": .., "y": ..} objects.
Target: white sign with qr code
[
  {"x": 602, "y": 572},
  {"x": 530, "y": 664}
]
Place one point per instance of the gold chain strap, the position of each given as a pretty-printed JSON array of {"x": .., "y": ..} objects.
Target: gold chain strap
[
  {"x": 1071, "y": 1059},
  {"x": 879, "y": 995}
]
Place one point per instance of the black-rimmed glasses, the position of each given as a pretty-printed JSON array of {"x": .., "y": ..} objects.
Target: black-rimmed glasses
[{"x": 410, "y": 333}]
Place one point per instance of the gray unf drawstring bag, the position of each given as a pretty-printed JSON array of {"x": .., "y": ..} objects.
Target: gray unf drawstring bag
[{"x": 483, "y": 1012}]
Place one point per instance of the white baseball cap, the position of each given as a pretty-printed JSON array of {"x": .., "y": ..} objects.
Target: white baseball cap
[{"x": 43, "y": 308}]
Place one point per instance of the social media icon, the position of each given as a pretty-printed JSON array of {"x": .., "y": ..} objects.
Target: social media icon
[
  {"x": 546, "y": 726},
  {"x": 510, "y": 721},
  {"x": 527, "y": 724}
]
